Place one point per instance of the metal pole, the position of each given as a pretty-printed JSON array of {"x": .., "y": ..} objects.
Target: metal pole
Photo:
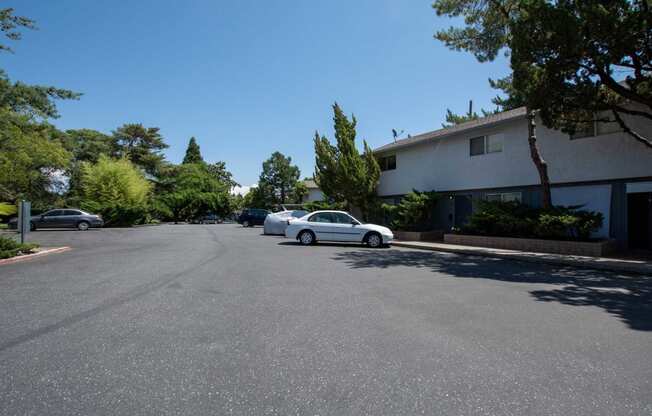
[{"x": 24, "y": 219}]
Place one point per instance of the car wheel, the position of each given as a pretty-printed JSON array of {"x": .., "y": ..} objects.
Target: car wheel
[
  {"x": 83, "y": 226},
  {"x": 374, "y": 240},
  {"x": 307, "y": 238},
  {"x": 32, "y": 226},
  {"x": 245, "y": 223}
]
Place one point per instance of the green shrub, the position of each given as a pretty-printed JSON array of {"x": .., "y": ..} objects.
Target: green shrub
[
  {"x": 11, "y": 248},
  {"x": 502, "y": 219},
  {"x": 567, "y": 222},
  {"x": 513, "y": 219},
  {"x": 414, "y": 212},
  {"x": 116, "y": 190}
]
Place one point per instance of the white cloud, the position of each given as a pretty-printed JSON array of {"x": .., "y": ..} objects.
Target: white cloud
[{"x": 242, "y": 190}]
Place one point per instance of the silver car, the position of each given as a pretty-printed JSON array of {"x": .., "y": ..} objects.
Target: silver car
[
  {"x": 63, "y": 218},
  {"x": 277, "y": 222}
]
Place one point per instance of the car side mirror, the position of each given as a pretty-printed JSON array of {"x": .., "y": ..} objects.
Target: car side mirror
[{"x": 354, "y": 223}]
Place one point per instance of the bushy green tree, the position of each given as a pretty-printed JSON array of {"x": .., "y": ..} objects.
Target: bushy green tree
[
  {"x": 279, "y": 177},
  {"x": 29, "y": 159},
  {"x": 192, "y": 191},
  {"x": 260, "y": 196},
  {"x": 143, "y": 146},
  {"x": 342, "y": 173},
  {"x": 87, "y": 145},
  {"x": 218, "y": 171},
  {"x": 115, "y": 189},
  {"x": 193, "y": 154}
]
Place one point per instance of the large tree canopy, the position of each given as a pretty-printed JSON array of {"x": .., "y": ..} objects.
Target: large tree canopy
[
  {"x": 571, "y": 59},
  {"x": 29, "y": 159},
  {"x": 142, "y": 145}
]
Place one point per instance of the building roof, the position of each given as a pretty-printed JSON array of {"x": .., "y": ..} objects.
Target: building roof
[
  {"x": 449, "y": 131},
  {"x": 310, "y": 184}
]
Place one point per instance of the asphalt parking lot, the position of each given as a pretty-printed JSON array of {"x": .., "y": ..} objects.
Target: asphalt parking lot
[{"x": 218, "y": 319}]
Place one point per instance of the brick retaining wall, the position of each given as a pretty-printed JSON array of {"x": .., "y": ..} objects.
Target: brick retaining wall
[
  {"x": 419, "y": 235},
  {"x": 579, "y": 248}
]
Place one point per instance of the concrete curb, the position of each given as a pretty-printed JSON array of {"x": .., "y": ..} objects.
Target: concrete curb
[
  {"x": 41, "y": 253},
  {"x": 643, "y": 268}
]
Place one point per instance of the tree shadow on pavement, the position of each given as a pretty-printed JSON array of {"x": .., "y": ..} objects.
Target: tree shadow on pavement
[{"x": 626, "y": 297}]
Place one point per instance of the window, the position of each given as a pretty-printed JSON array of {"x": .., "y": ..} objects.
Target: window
[
  {"x": 486, "y": 144},
  {"x": 54, "y": 213},
  {"x": 342, "y": 218},
  {"x": 504, "y": 197},
  {"x": 321, "y": 217},
  {"x": 477, "y": 146},
  {"x": 597, "y": 127},
  {"x": 387, "y": 162},
  {"x": 299, "y": 213},
  {"x": 71, "y": 212},
  {"x": 494, "y": 143},
  {"x": 512, "y": 196}
]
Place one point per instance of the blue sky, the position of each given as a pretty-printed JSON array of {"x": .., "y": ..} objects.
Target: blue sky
[{"x": 248, "y": 77}]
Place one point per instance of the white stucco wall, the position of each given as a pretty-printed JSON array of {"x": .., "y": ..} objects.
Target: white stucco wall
[
  {"x": 314, "y": 195},
  {"x": 445, "y": 164}
]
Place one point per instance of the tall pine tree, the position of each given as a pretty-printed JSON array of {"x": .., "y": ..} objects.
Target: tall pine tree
[
  {"x": 193, "y": 155},
  {"x": 342, "y": 173}
]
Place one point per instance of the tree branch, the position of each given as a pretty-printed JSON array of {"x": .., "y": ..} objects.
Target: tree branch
[
  {"x": 629, "y": 131},
  {"x": 631, "y": 112},
  {"x": 619, "y": 89}
]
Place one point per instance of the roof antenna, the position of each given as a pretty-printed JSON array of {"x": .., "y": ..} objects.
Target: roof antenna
[{"x": 396, "y": 134}]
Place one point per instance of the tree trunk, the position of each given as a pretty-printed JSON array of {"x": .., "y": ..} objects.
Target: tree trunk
[{"x": 542, "y": 166}]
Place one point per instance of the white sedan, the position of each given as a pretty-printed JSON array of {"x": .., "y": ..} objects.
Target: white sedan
[
  {"x": 277, "y": 222},
  {"x": 336, "y": 226}
]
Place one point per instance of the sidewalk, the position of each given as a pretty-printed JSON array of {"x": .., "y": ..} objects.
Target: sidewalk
[{"x": 599, "y": 263}]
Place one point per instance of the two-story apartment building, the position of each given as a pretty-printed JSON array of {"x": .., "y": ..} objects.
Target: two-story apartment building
[{"x": 602, "y": 169}]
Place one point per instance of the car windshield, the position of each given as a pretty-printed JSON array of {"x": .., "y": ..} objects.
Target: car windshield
[{"x": 299, "y": 214}]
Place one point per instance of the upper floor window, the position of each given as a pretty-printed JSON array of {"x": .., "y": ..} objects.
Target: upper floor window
[
  {"x": 504, "y": 197},
  {"x": 387, "y": 162},
  {"x": 603, "y": 123},
  {"x": 486, "y": 144}
]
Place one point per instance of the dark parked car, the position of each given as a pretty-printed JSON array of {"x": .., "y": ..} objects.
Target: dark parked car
[
  {"x": 252, "y": 216},
  {"x": 207, "y": 219},
  {"x": 63, "y": 218}
]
